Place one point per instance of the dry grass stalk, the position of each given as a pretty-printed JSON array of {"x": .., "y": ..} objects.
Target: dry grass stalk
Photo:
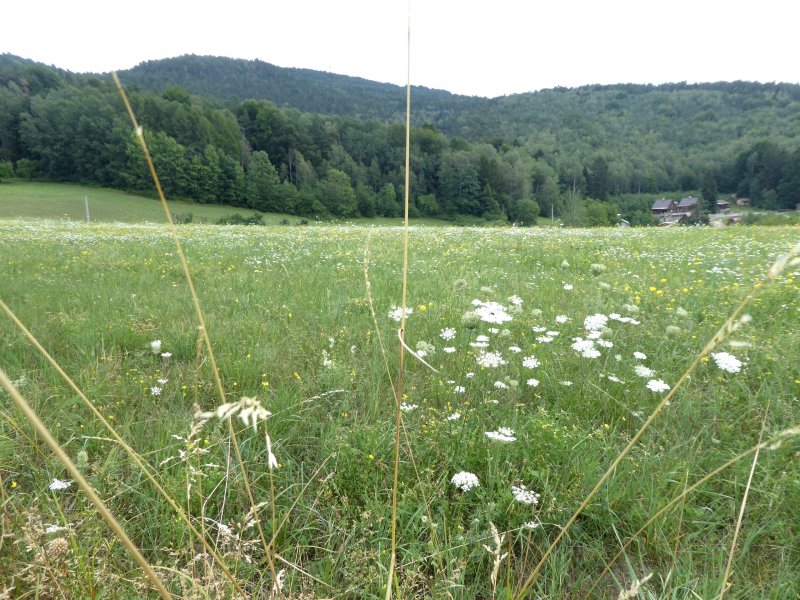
[
  {"x": 498, "y": 555},
  {"x": 635, "y": 588}
]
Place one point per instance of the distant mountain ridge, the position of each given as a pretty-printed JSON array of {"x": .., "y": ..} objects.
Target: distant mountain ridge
[{"x": 304, "y": 89}]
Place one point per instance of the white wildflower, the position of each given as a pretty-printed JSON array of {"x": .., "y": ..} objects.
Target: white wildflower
[
  {"x": 595, "y": 322},
  {"x": 727, "y": 362},
  {"x": 524, "y": 495},
  {"x": 492, "y": 312},
  {"x": 469, "y": 375},
  {"x": 166, "y": 355},
  {"x": 155, "y": 346},
  {"x": 503, "y": 434},
  {"x": 454, "y": 417},
  {"x": 459, "y": 389},
  {"x": 396, "y": 313},
  {"x": 643, "y": 371},
  {"x": 490, "y": 359},
  {"x": 465, "y": 481},
  {"x": 565, "y": 383},
  {"x": 155, "y": 391},
  {"x": 540, "y": 329},
  {"x": 500, "y": 385},
  {"x": 532, "y": 382},
  {"x": 531, "y": 362},
  {"x": 568, "y": 286},
  {"x": 448, "y": 350},
  {"x": 639, "y": 356},
  {"x": 544, "y": 339},
  {"x": 561, "y": 319},
  {"x": 515, "y": 300},
  {"x": 57, "y": 485},
  {"x": 515, "y": 349},
  {"x": 657, "y": 385},
  {"x": 408, "y": 407},
  {"x": 448, "y": 333}
]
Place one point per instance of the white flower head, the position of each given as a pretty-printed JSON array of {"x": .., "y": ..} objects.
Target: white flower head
[
  {"x": 500, "y": 385},
  {"x": 532, "y": 382},
  {"x": 643, "y": 371},
  {"x": 166, "y": 355},
  {"x": 155, "y": 391},
  {"x": 465, "y": 481},
  {"x": 503, "y": 434},
  {"x": 454, "y": 417},
  {"x": 516, "y": 300},
  {"x": 727, "y": 362},
  {"x": 657, "y": 385},
  {"x": 459, "y": 389},
  {"x": 639, "y": 356},
  {"x": 524, "y": 495},
  {"x": 408, "y": 407},
  {"x": 396, "y": 313},
  {"x": 448, "y": 333},
  {"x": 490, "y": 359},
  {"x": 492, "y": 312},
  {"x": 57, "y": 485},
  {"x": 561, "y": 319},
  {"x": 155, "y": 346},
  {"x": 531, "y": 362},
  {"x": 595, "y": 322}
]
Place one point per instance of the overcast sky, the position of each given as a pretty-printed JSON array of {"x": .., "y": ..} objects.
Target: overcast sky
[{"x": 486, "y": 48}]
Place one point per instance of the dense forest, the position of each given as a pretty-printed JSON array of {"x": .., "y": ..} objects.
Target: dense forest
[{"x": 246, "y": 133}]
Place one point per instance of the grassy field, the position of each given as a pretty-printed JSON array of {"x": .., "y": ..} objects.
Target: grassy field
[
  {"x": 65, "y": 201},
  {"x": 535, "y": 396}
]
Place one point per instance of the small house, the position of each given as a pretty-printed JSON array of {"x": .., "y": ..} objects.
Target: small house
[
  {"x": 745, "y": 202},
  {"x": 723, "y": 206},
  {"x": 663, "y": 207},
  {"x": 688, "y": 205}
]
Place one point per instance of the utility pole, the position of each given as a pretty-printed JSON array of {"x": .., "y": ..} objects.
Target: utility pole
[{"x": 86, "y": 204}]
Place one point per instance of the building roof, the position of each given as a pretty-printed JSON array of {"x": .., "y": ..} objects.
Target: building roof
[
  {"x": 687, "y": 202},
  {"x": 662, "y": 204}
]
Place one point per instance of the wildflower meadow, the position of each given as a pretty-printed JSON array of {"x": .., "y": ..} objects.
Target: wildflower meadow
[{"x": 534, "y": 358}]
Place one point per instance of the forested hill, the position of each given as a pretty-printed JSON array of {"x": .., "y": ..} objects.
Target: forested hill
[
  {"x": 573, "y": 153},
  {"x": 304, "y": 89}
]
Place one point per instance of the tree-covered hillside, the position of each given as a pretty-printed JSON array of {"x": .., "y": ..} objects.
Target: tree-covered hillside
[
  {"x": 573, "y": 153},
  {"x": 304, "y": 89}
]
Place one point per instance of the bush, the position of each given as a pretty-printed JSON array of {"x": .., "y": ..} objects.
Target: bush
[{"x": 237, "y": 219}]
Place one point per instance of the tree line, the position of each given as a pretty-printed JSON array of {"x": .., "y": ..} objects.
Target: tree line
[{"x": 64, "y": 127}]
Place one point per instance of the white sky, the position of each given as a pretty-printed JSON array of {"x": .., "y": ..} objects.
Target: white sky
[{"x": 487, "y": 48}]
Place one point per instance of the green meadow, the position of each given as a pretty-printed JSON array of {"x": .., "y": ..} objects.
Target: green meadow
[{"x": 547, "y": 349}]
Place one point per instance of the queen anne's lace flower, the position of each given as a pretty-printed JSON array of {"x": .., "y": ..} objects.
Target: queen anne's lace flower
[
  {"x": 503, "y": 434},
  {"x": 524, "y": 495},
  {"x": 727, "y": 362},
  {"x": 657, "y": 385},
  {"x": 490, "y": 359},
  {"x": 465, "y": 481}
]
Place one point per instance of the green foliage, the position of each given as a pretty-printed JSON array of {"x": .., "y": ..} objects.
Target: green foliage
[
  {"x": 599, "y": 214},
  {"x": 6, "y": 170},
  {"x": 472, "y": 156},
  {"x": 527, "y": 213},
  {"x": 26, "y": 169},
  {"x": 337, "y": 195},
  {"x": 237, "y": 219}
]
